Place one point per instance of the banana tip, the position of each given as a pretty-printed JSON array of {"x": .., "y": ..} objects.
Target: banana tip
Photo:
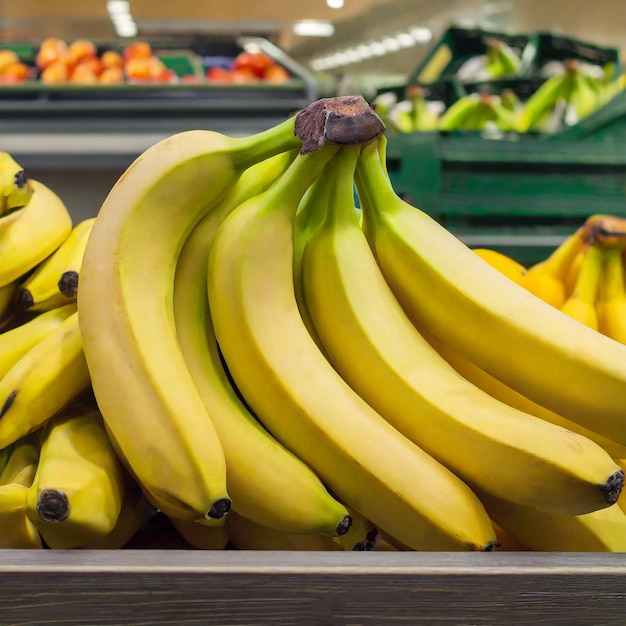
[
  {"x": 219, "y": 508},
  {"x": 613, "y": 486}
]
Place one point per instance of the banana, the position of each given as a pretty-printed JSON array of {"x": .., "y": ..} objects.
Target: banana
[
  {"x": 506, "y": 542},
  {"x": 32, "y": 234},
  {"x": 461, "y": 114},
  {"x": 8, "y": 295},
  {"x": 501, "y": 59},
  {"x": 266, "y": 482},
  {"x": 516, "y": 337},
  {"x": 135, "y": 512},
  {"x": 581, "y": 304},
  {"x": 125, "y": 300},
  {"x": 598, "y": 531},
  {"x": 17, "y": 341},
  {"x": 246, "y": 534},
  {"x": 607, "y": 230},
  {"x": 68, "y": 283},
  {"x": 504, "y": 393},
  {"x": 40, "y": 291},
  {"x": 584, "y": 97},
  {"x": 303, "y": 401},
  {"x": 503, "y": 263},
  {"x": 611, "y": 305},
  {"x": 543, "y": 101},
  {"x": 546, "y": 279},
  {"x": 77, "y": 493},
  {"x": 571, "y": 274},
  {"x": 378, "y": 351},
  {"x": 420, "y": 117},
  {"x": 45, "y": 379},
  {"x": 22, "y": 462},
  {"x": 202, "y": 536},
  {"x": 511, "y": 101},
  {"x": 362, "y": 535},
  {"x": 16, "y": 530},
  {"x": 15, "y": 189}
]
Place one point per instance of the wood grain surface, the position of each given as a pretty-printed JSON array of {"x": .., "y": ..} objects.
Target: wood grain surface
[{"x": 141, "y": 587}]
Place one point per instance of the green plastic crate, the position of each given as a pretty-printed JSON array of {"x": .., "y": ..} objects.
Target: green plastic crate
[{"x": 520, "y": 194}]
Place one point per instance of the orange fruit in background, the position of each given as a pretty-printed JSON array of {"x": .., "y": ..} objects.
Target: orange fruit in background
[
  {"x": 93, "y": 64},
  {"x": 16, "y": 72},
  {"x": 111, "y": 76},
  {"x": 83, "y": 49},
  {"x": 7, "y": 57},
  {"x": 138, "y": 68},
  {"x": 276, "y": 74},
  {"x": 110, "y": 58},
  {"x": 55, "y": 72},
  {"x": 137, "y": 49},
  {"x": 243, "y": 75},
  {"x": 53, "y": 42},
  {"x": 84, "y": 75}
]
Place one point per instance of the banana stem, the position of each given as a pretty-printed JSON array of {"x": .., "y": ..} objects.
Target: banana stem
[
  {"x": 340, "y": 180},
  {"x": 344, "y": 120}
]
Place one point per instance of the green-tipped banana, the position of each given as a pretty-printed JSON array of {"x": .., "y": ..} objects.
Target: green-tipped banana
[
  {"x": 266, "y": 482},
  {"x": 521, "y": 340},
  {"x": 303, "y": 401}
]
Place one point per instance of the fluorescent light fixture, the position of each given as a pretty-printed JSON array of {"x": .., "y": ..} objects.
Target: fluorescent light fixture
[
  {"x": 405, "y": 40},
  {"x": 391, "y": 44},
  {"x": 378, "y": 49},
  {"x": 313, "y": 28},
  {"x": 421, "y": 34},
  {"x": 118, "y": 6},
  {"x": 335, "y": 4},
  {"x": 364, "y": 51}
]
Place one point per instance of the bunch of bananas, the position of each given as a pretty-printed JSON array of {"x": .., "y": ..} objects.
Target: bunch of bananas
[
  {"x": 270, "y": 368},
  {"x": 584, "y": 276},
  {"x": 479, "y": 111},
  {"x": 563, "y": 100}
]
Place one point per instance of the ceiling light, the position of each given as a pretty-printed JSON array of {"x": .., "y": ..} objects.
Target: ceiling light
[
  {"x": 313, "y": 28},
  {"x": 421, "y": 34},
  {"x": 335, "y": 4},
  {"x": 377, "y": 49},
  {"x": 405, "y": 40}
]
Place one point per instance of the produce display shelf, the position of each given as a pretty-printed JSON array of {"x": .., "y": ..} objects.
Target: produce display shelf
[{"x": 314, "y": 588}]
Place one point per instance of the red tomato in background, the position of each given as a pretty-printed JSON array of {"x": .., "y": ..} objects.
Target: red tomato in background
[{"x": 256, "y": 61}]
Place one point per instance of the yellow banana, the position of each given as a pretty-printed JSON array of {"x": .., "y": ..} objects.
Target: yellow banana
[
  {"x": 40, "y": 291},
  {"x": 581, "y": 304},
  {"x": 16, "y": 530},
  {"x": 33, "y": 233},
  {"x": 125, "y": 301},
  {"x": 17, "y": 341},
  {"x": 378, "y": 351},
  {"x": 8, "y": 294},
  {"x": 598, "y": 531},
  {"x": 246, "y": 534},
  {"x": 516, "y": 337},
  {"x": 611, "y": 306},
  {"x": 136, "y": 510},
  {"x": 78, "y": 490},
  {"x": 22, "y": 462},
  {"x": 546, "y": 279},
  {"x": 266, "y": 482},
  {"x": 361, "y": 536},
  {"x": 68, "y": 283},
  {"x": 15, "y": 188},
  {"x": 607, "y": 230},
  {"x": 584, "y": 98},
  {"x": 504, "y": 393},
  {"x": 506, "y": 541},
  {"x": 571, "y": 274},
  {"x": 45, "y": 379},
  {"x": 303, "y": 401},
  {"x": 503, "y": 263},
  {"x": 202, "y": 536}
]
